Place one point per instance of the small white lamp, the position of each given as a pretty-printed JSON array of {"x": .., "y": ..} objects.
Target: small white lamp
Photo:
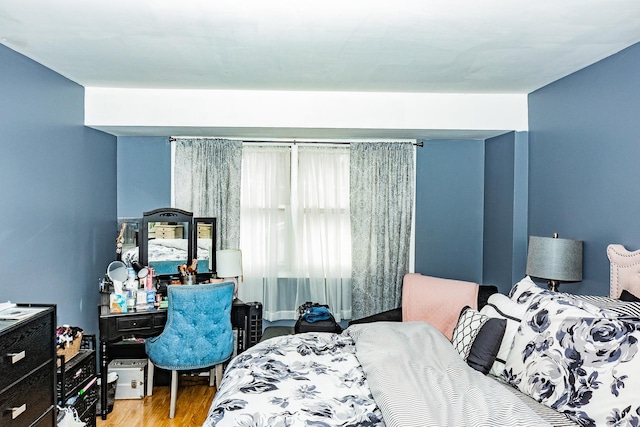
[{"x": 229, "y": 266}]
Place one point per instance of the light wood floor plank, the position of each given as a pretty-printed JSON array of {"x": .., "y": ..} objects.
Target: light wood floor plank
[{"x": 194, "y": 399}]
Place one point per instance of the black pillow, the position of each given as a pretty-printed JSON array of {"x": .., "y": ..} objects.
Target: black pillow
[
  {"x": 486, "y": 345},
  {"x": 477, "y": 337},
  {"x": 484, "y": 292},
  {"x": 628, "y": 296}
]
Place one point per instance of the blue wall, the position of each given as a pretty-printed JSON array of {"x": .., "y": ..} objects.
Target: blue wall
[
  {"x": 450, "y": 209},
  {"x": 505, "y": 210},
  {"x": 144, "y": 175},
  {"x": 58, "y": 181},
  {"x": 584, "y": 156}
]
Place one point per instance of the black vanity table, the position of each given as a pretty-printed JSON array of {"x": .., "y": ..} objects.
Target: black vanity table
[
  {"x": 198, "y": 236},
  {"x": 246, "y": 319}
]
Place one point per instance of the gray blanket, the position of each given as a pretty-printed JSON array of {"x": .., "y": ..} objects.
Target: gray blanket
[{"x": 418, "y": 379}]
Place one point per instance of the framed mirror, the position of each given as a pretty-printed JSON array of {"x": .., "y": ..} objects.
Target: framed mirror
[
  {"x": 165, "y": 240},
  {"x": 204, "y": 248},
  {"x": 128, "y": 240}
]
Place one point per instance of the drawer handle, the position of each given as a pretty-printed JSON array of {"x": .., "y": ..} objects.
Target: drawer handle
[
  {"x": 16, "y": 357},
  {"x": 15, "y": 412}
]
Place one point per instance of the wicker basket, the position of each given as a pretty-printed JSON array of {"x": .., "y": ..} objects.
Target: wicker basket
[{"x": 71, "y": 349}]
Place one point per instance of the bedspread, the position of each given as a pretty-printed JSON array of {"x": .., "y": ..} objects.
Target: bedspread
[
  {"x": 310, "y": 379},
  {"x": 418, "y": 379}
]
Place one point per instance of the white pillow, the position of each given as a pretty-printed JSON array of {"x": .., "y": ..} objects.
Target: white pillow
[{"x": 500, "y": 306}]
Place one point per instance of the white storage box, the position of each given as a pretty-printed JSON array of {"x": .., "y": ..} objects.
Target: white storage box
[{"x": 132, "y": 377}]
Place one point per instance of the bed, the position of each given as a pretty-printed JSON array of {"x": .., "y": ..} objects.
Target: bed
[{"x": 408, "y": 373}]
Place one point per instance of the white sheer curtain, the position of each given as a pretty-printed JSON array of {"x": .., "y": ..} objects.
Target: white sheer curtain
[
  {"x": 264, "y": 219},
  {"x": 323, "y": 229},
  {"x": 295, "y": 229}
]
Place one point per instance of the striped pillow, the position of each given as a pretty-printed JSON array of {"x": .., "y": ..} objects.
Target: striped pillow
[
  {"x": 501, "y": 307},
  {"x": 617, "y": 307}
]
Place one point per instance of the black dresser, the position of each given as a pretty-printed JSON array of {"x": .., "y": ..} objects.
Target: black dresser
[{"x": 28, "y": 367}]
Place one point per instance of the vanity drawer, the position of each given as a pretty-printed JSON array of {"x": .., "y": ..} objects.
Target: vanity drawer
[
  {"x": 134, "y": 323},
  {"x": 24, "y": 349},
  {"x": 26, "y": 401}
]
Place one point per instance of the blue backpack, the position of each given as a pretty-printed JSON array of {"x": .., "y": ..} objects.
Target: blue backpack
[{"x": 314, "y": 317}]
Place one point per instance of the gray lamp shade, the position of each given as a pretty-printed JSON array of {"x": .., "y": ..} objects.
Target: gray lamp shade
[{"x": 553, "y": 258}]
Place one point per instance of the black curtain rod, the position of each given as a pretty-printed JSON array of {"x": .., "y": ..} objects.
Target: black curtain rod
[{"x": 257, "y": 141}]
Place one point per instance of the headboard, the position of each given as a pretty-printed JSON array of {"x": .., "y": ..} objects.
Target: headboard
[{"x": 624, "y": 270}]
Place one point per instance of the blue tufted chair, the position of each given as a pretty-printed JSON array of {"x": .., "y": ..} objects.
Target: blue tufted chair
[{"x": 198, "y": 332}]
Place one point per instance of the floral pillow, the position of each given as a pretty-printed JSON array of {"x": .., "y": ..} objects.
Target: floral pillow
[
  {"x": 578, "y": 364},
  {"x": 526, "y": 292},
  {"x": 523, "y": 291}
]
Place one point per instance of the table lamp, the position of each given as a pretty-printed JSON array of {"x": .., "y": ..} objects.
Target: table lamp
[
  {"x": 555, "y": 260},
  {"x": 229, "y": 266}
]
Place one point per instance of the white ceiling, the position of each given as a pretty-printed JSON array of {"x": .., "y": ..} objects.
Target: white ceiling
[{"x": 423, "y": 46}]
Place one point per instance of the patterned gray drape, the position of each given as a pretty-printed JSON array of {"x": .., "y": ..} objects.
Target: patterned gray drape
[
  {"x": 207, "y": 176},
  {"x": 382, "y": 186}
]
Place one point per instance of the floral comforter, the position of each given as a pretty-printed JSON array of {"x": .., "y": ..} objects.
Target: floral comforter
[
  {"x": 406, "y": 372},
  {"x": 311, "y": 379}
]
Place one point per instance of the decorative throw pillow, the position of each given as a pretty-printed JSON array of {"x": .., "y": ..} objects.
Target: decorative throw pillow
[
  {"x": 611, "y": 307},
  {"x": 584, "y": 366},
  {"x": 527, "y": 292},
  {"x": 628, "y": 296},
  {"x": 524, "y": 290},
  {"x": 477, "y": 338},
  {"x": 501, "y": 307},
  {"x": 484, "y": 292}
]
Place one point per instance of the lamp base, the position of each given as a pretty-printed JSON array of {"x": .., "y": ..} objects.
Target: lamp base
[
  {"x": 235, "y": 285},
  {"x": 553, "y": 285}
]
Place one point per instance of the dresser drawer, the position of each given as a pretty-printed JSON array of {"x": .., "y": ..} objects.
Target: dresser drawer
[
  {"x": 24, "y": 349},
  {"x": 49, "y": 420},
  {"x": 204, "y": 231},
  {"x": 26, "y": 401},
  {"x": 169, "y": 231}
]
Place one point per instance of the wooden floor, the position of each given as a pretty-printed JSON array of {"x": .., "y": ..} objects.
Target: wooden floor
[{"x": 194, "y": 398}]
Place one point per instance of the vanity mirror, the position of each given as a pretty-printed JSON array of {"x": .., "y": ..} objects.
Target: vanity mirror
[
  {"x": 117, "y": 273},
  {"x": 204, "y": 248},
  {"x": 165, "y": 240},
  {"x": 127, "y": 239}
]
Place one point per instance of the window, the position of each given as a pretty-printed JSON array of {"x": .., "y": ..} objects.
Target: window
[{"x": 295, "y": 227}]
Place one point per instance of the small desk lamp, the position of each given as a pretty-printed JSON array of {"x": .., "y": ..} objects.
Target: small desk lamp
[
  {"x": 141, "y": 270},
  {"x": 229, "y": 266},
  {"x": 554, "y": 259}
]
